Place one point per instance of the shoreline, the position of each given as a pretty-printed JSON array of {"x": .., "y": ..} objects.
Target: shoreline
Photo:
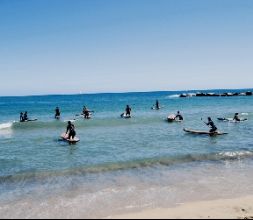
[{"x": 236, "y": 208}]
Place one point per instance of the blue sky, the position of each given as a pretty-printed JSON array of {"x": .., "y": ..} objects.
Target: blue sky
[{"x": 72, "y": 46}]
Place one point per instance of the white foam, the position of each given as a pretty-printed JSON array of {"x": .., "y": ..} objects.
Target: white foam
[
  {"x": 173, "y": 96},
  {"x": 6, "y": 125}
]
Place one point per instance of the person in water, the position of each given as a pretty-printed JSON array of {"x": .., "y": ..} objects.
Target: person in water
[
  {"x": 86, "y": 112},
  {"x": 70, "y": 131},
  {"x": 236, "y": 117},
  {"x": 21, "y": 117},
  {"x": 212, "y": 125},
  {"x": 179, "y": 116},
  {"x": 128, "y": 111},
  {"x": 57, "y": 113},
  {"x": 157, "y": 105},
  {"x": 25, "y": 117}
]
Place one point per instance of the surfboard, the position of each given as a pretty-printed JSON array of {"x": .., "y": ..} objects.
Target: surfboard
[
  {"x": 232, "y": 120},
  {"x": 70, "y": 141},
  {"x": 203, "y": 132},
  {"x": 29, "y": 120},
  {"x": 123, "y": 115},
  {"x": 172, "y": 118}
]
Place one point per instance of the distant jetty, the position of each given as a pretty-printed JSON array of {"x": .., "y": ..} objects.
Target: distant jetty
[{"x": 226, "y": 94}]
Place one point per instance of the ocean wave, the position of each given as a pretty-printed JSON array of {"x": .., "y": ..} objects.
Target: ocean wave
[
  {"x": 6, "y": 125},
  {"x": 173, "y": 96},
  {"x": 121, "y": 166}
]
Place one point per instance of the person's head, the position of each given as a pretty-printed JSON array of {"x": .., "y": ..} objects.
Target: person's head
[
  {"x": 69, "y": 122},
  {"x": 26, "y": 113},
  {"x": 21, "y": 113},
  {"x": 178, "y": 112},
  {"x": 209, "y": 119},
  {"x": 236, "y": 114}
]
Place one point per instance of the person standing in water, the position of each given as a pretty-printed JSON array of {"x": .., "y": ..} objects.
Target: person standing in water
[
  {"x": 157, "y": 105},
  {"x": 86, "y": 113},
  {"x": 57, "y": 113},
  {"x": 70, "y": 131},
  {"x": 128, "y": 111},
  {"x": 212, "y": 125},
  {"x": 21, "y": 117}
]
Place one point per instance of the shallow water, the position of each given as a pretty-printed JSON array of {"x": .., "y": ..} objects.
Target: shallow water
[{"x": 124, "y": 164}]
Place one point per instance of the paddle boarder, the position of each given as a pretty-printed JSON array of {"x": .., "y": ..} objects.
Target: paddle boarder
[
  {"x": 128, "y": 111},
  {"x": 70, "y": 131},
  {"x": 211, "y": 124},
  {"x": 179, "y": 116},
  {"x": 236, "y": 117}
]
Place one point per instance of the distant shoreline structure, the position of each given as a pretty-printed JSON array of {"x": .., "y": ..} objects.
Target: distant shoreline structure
[{"x": 211, "y": 94}]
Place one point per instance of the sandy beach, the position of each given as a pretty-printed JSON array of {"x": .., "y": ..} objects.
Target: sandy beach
[{"x": 238, "y": 208}]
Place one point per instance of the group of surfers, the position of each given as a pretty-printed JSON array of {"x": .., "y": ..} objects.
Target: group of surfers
[{"x": 86, "y": 113}]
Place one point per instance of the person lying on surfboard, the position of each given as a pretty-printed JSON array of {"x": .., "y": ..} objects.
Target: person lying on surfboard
[
  {"x": 179, "y": 116},
  {"x": 70, "y": 131},
  {"x": 211, "y": 124}
]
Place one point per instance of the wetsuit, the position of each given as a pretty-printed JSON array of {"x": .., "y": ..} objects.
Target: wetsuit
[
  {"x": 57, "y": 113},
  {"x": 180, "y": 117},
  {"x": 71, "y": 131},
  {"x": 25, "y": 118},
  {"x": 236, "y": 118},
  {"x": 157, "y": 105},
  {"x": 213, "y": 127},
  {"x": 128, "y": 111},
  {"x": 21, "y": 118}
]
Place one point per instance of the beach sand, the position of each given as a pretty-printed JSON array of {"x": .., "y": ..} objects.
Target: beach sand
[{"x": 239, "y": 208}]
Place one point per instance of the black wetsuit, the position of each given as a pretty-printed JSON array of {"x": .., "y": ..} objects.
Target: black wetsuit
[
  {"x": 180, "y": 117},
  {"x": 128, "y": 111},
  {"x": 236, "y": 118},
  {"x": 213, "y": 127},
  {"x": 71, "y": 131},
  {"x": 21, "y": 118},
  {"x": 25, "y": 118},
  {"x": 57, "y": 113},
  {"x": 157, "y": 105},
  {"x": 86, "y": 114}
]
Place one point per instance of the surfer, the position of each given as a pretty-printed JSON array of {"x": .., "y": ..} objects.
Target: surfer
[
  {"x": 128, "y": 111},
  {"x": 25, "y": 117},
  {"x": 86, "y": 112},
  {"x": 179, "y": 116},
  {"x": 21, "y": 117},
  {"x": 212, "y": 125},
  {"x": 70, "y": 131},
  {"x": 157, "y": 105},
  {"x": 57, "y": 113},
  {"x": 236, "y": 117}
]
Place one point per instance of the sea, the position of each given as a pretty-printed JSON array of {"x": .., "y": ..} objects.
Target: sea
[{"x": 121, "y": 165}]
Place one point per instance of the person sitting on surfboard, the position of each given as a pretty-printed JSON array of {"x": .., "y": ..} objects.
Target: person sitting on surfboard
[
  {"x": 212, "y": 125},
  {"x": 128, "y": 111},
  {"x": 57, "y": 113},
  {"x": 25, "y": 117},
  {"x": 70, "y": 131},
  {"x": 179, "y": 116},
  {"x": 236, "y": 117},
  {"x": 21, "y": 117}
]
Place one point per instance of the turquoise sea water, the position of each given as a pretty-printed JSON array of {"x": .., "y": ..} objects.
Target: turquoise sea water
[{"x": 121, "y": 163}]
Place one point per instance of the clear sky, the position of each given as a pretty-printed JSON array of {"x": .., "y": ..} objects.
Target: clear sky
[{"x": 68, "y": 46}]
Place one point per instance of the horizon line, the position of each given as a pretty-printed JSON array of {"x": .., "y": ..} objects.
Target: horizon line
[{"x": 101, "y": 93}]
